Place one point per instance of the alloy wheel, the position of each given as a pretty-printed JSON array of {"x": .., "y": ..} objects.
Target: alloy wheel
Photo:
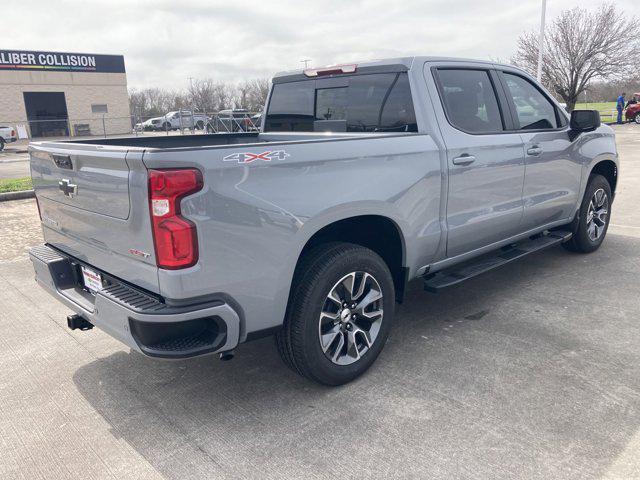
[
  {"x": 351, "y": 318},
  {"x": 597, "y": 214}
]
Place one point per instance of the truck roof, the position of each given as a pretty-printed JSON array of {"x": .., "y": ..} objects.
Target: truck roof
[{"x": 382, "y": 65}]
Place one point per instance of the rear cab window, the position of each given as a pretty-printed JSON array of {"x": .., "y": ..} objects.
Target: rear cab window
[{"x": 379, "y": 102}]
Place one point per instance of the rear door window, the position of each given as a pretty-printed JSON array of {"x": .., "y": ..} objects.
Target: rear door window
[
  {"x": 470, "y": 100},
  {"x": 366, "y": 103}
]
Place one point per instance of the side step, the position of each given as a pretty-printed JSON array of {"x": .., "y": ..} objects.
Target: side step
[{"x": 459, "y": 273}]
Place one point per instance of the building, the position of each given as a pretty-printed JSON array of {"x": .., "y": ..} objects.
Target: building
[{"x": 58, "y": 94}]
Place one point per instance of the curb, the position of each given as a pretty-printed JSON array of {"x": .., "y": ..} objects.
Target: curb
[{"x": 5, "y": 197}]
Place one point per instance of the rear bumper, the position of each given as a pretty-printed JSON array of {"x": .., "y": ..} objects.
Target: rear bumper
[{"x": 136, "y": 318}]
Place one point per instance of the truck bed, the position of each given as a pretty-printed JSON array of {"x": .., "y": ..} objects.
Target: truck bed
[
  {"x": 93, "y": 194},
  {"x": 212, "y": 140}
]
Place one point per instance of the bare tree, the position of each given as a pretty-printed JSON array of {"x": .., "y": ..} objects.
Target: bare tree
[
  {"x": 151, "y": 102},
  {"x": 581, "y": 47},
  {"x": 208, "y": 95},
  {"x": 205, "y": 95},
  {"x": 252, "y": 94},
  {"x": 609, "y": 91}
]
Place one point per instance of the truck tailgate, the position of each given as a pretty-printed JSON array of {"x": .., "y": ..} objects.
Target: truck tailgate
[{"x": 93, "y": 204}]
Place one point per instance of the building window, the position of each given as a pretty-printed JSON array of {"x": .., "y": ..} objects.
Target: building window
[{"x": 99, "y": 108}]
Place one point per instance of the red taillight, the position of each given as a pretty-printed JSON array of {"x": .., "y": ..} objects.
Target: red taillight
[
  {"x": 13, "y": 133},
  {"x": 175, "y": 238}
]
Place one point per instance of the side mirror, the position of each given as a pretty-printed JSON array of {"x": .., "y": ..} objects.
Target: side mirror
[{"x": 584, "y": 120}]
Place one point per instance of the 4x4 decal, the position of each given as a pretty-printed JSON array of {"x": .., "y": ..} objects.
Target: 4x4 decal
[{"x": 248, "y": 157}]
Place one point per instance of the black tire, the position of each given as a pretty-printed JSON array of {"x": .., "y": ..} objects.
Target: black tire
[
  {"x": 581, "y": 242},
  {"x": 637, "y": 118},
  {"x": 316, "y": 276},
  {"x": 1, "y": 144}
]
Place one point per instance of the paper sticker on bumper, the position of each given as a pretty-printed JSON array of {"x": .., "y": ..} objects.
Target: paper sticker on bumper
[{"x": 92, "y": 280}]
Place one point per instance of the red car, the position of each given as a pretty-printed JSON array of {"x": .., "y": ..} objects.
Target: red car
[{"x": 632, "y": 114}]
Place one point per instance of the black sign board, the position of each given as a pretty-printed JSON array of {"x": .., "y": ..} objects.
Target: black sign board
[{"x": 61, "y": 62}]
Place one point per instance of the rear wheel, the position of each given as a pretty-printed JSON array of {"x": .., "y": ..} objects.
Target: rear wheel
[
  {"x": 590, "y": 227},
  {"x": 340, "y": 313},
  {"x": 1, "y": 144},
  {"x": 637, "y": 118}
]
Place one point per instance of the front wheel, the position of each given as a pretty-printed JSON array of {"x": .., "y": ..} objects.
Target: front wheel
[
  {"x": 1, "y": 144},
  {"x": 592, "y": 222},
  {"x": 340, "y": 313},
  {"x": 637, "y": 118}
]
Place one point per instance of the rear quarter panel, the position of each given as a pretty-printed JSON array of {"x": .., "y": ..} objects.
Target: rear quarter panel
[{"x": 254, "y": 219}]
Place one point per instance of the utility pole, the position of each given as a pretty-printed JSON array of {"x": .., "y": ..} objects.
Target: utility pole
[
  {"x": 541, "y": 43},
  {"x": 306, "y": 62},
  {"x": 193, "y": 120}
]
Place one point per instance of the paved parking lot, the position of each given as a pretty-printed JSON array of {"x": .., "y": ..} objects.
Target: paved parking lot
[
  {"x": 531, "y": 371},
  {"x": 14, "y": 163}
]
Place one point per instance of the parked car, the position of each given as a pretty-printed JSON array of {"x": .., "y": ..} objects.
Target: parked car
[
  {"x": 7, "y": 135},
  {"x": 365, "y": 177},
  {"x": 183, "y": 119},
  {"x": 151, "y": 125},
  {"x": 632, "y": 113}
]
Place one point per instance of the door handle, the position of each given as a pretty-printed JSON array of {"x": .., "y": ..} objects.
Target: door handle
[
  {"x": 534, "y": 151},
  {"x": 464, "y": 159}
]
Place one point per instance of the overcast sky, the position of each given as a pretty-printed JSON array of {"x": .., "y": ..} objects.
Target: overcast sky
[{"x": 164, "y": 42}]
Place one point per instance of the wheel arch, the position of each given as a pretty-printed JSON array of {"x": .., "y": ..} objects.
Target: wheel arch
[
  {"x": 609, "y": 170},
  {"x": 376, "y": 232}
]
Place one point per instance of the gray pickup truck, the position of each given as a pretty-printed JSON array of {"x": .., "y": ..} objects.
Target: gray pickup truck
[{"x": 365, "y": 177}]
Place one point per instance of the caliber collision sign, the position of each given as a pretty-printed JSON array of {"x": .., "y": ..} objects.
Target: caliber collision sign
[{"x": 56, "y": 61}]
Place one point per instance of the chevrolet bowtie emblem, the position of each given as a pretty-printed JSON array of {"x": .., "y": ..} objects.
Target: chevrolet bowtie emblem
[{"x": 69, "y": 189}]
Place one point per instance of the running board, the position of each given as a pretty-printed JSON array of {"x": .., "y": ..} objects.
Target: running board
[{"x": 459, "y": 273}]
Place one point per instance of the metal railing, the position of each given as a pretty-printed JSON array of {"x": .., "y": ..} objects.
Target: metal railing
[
  {"x": 200, "y": 122},
  {"x": 184, "y": 123}
]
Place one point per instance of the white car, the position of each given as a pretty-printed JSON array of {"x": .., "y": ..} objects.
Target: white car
[
  {"x": 7, "y": 135},
  {"x": 152, "y": 124},
  {"x": 183, "y": 119}
]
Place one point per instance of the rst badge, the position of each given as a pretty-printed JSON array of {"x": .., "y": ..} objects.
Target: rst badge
[{"x": 248, "y": 157}]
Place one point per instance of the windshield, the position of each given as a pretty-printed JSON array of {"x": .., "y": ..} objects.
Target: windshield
[{"x": 357, "y": 103}]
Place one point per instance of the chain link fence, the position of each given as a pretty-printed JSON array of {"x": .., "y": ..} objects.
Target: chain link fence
[{"x": 179, "y": 122}]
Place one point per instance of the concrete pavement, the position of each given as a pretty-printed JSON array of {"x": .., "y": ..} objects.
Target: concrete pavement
[
  {"x": 530, "y": 371},
  {"x": 14, "y": 164}
]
